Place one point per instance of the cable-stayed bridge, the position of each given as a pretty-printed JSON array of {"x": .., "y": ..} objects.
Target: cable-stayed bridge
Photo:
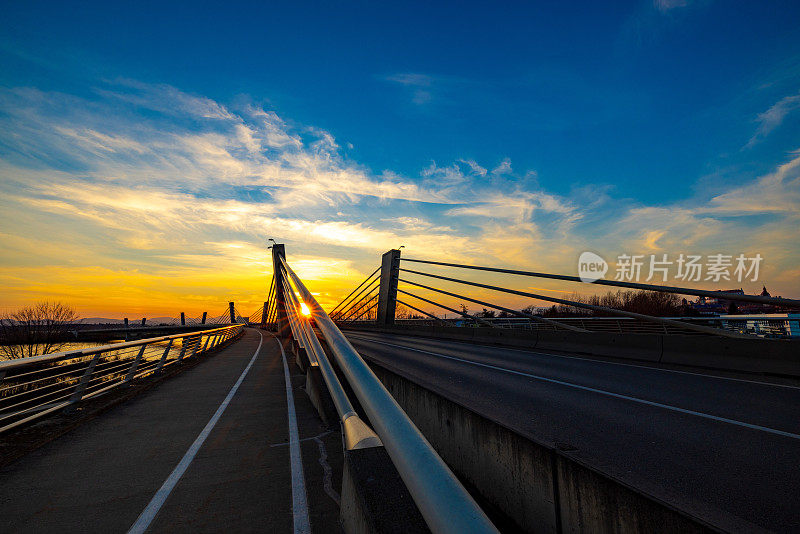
[{"x": 399, "y": 410}]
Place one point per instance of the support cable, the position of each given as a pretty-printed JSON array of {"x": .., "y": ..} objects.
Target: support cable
[
  {"x": 461, "y": 313},
  {"x": 351, "y": 293},
  {"x": 613, "y": 311},
  {"x": 355, "y": 305},
  {"x": 775, "y": 301},
  {"x": 357, "y": 317},
  {"x": 359, "y": 305},
  {"x": 355, "y": 300},
  {"x": 420, "y": 311}
]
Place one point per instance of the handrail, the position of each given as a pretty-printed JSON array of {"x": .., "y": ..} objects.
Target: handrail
[
  {"x": 35, "y": 389},
  {"x": 356, "y": 433},
  {"x": 340, "y": 400},
  {"x": 8, "y": 365},
  {"x": 440, "y": 497},
  {"x": 779, "y": 301},
  {"x": 296, "y": 322}
]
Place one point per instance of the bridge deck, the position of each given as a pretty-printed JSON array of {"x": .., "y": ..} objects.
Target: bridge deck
[
  {"x": 727, "y": 450},
  {"x": 101, "y": 476}
]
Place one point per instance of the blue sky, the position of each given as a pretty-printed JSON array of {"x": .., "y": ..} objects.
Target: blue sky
[{"x": 548, "y": 128}]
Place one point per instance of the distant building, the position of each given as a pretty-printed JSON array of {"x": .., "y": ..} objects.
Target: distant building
[{"x": 719, "y": 306}]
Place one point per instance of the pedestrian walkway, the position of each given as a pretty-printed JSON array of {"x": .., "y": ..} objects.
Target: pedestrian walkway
[{"x": 196, "y": 453}]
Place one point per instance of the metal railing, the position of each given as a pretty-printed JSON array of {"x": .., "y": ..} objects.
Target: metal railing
[
  {"x": 768, "y": 325},
  {"x": 444, "y": 503},
  {"x": 34, "y": 387},
  {"x": 356, "y": 433}
]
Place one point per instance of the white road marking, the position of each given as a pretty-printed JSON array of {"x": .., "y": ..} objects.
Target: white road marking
[
  {"x": 603, "y": 392},
  {"x": 595, "y": 360},
  {"x": 302, "y": 524},
  {"x": 158, "y": 500}
]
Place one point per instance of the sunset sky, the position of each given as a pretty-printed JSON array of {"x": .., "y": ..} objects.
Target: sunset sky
[{"x": 147, "y": 152}]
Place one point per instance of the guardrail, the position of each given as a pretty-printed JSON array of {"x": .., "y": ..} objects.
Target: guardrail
[
  {"x": 31, "y": 388},
  {"x": 768, "y": 325},
  {"x": 441, "y": 499}
]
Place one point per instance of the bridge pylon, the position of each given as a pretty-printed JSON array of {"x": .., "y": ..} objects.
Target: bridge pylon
[
  {"x": 387, "y": 292},
  {"x": 281, "y": 319}
]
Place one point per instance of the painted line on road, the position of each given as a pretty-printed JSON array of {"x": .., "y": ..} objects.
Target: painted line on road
[
  {"x": 302, "y": 524},
  {"x": 152, "y": 509},
  {"x": 606, "y": 362},
  {"x": 603, "y": 392}
]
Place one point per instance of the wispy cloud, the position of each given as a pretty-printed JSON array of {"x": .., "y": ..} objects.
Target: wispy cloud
[
  {"x": 773, "y": 117},
  {"x": 668, "y": 5},
  {"x": 419, "y": 84}
]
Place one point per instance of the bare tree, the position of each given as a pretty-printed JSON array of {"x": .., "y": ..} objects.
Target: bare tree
[
  {"x": 402, "y": 312},
  {"x": 34, "y": 330},
  {"x": 645, "y": 302}
]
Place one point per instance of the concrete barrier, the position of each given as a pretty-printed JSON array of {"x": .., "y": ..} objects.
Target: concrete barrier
[
  {"x": 535, "y": 487},
  {"x": 374, "y": 498},
  {"x": 300, "y": 356},
  {"x": 771, "y": 356},
  {"x": 774, "y": 356},
  {"x": 592, "y": 502},
  {"x": 643, "y": 347},
  {"x": 319, "y": 395}
]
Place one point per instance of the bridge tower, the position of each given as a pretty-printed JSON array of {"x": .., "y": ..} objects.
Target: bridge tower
[
  {"x": 232, "y": 312},
  {"x": 387, "y": 292},
  {"x": 282, "y": 321}
]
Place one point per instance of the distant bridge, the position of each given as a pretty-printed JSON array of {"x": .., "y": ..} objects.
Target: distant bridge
[
  {"x": 357, "y": 419},
  {"x": 143, "y": 330}
]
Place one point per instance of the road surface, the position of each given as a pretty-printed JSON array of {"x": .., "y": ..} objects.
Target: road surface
[
  {"x": 724, "y": 449},
  {"x": 109, "y": 473}
]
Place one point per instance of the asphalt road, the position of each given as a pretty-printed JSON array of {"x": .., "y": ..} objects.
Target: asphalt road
[
  {"x": 722, "y": 448},
  {"x": 102, "y": 476}
]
